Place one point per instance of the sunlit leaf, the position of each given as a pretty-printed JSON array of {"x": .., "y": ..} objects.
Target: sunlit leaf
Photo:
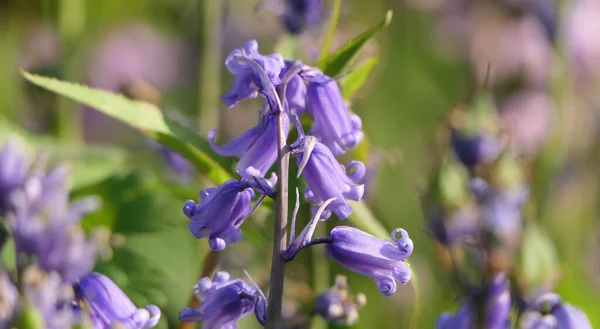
[
  {"x": 538, "y": 264},
  {"x": 144, "y": 117},
  {"x": 354, "y": 81},
  {"x": 333, "y": 64}
]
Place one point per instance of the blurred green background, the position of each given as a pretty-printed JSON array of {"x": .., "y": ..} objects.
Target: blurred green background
[{"x": 162, "y": 43}]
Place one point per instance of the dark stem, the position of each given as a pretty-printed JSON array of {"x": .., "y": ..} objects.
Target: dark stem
[{"x": 280, "y": 227}]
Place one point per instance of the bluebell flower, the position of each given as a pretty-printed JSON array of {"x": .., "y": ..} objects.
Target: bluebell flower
[
  {"x": 109, "y": 306},
  {"x": 327, "y": 178},
  {"x": 295, "y": 94},
  {"x": 223, "y": 301},
  {"x": 220, "y": 213},
  {"x": 382, "y": 260},
  {"x": 452, "y": 226},
  {"x": 302, "y": 14},
  {"x": 247, "y": 83},
  {"x": 14, "y": 165},
  {"x": 333, "y": 124},
  {"x": 45, "y": 225},
  {"x": 49, "y": 296},
  {"x": 475, "y": 149},
  {"x": 548, "y": 311},
  {"x": 501, "y": 214},
  {"x": 256, "y": 147},
  {"x": 496, "y": 309},
  {"x": 9, "y": 299},
  {"x": 178, "y": 164},
  {"x": 337, "y": 305}
]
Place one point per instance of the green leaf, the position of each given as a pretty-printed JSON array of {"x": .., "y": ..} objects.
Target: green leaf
[
  {"x": 364, "y": 219},
  {"x": 145, "y": 117},
  {"x": 158, "y": 261},
  {"x": 352, "y": 83},
  {"x": 336, "y": 62},
  {"x": 333, "y": 23},
  {"x": 89, "y": 165}
]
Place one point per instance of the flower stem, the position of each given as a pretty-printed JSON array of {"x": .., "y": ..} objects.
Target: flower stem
[
  {"x": 210, "y": 65},
  {"x": 280, "y": 227}
]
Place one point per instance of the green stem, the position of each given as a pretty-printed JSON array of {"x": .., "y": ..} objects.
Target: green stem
[
  {"x": 71, "y": 22},
  {"x": 320, "y": 274},
  {"x": 209, "y": 82},
  {"x": 333, "y": 23}
]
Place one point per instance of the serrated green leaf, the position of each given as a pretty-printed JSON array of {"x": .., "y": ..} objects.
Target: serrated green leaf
[
  {"x": 144, "y": 117},
  {"x": 352, "y": 83},
  {"x": 364, "y": 219},
  {"x": 333, "y": 64}
]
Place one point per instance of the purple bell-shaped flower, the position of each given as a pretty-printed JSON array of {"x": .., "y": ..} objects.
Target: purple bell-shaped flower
[
  {"x": 382, "y": 260},
  {"x": 220, "y": 213},
  {"x": 327, "y": 179},
  {"x": 333, "y": 124},
  {"x": 549, "y": 312},
  {"x": 247, "y": 83},
  {"x": 109, "y": 306},
  {"x": 223, "y": 301},
  {"x": 256, "y": 148}
]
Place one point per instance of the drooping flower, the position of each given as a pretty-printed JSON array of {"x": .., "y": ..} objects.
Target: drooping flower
[
  {"x": 327, "y": 179},
  {"x": 45, "y": 225},
  {"x": 382, "y": 260},
  {"x": 223, "y": 301},
  {"x": 337, "y": 305},
  {"x": 295, "y": 94},
  {"x": 495, "y": 313},
  {"x": 14, "y": 165},
  {"x": 220, "y": 213},
  {"x": 49, "y": 296},
  {"x": 550, "y": 312},
  {"x": 109, "y": 306},
  {"x": 333, "y": 124},
  {"x": 256, "y": 147},
  {"x": 9, "y": 298},
  {"x": 247, "y": 83}
]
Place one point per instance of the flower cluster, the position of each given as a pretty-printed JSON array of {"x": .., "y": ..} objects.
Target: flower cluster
[
  {"x": 290, "y": 90},
  {"x": 54, "y": 256},
  {"x": 474, "y": 210}
]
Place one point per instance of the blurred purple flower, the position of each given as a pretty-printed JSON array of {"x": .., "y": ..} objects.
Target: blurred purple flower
[
  {"x": 337, "y": 305},
  {"x": 256, "y": 147},
  {"x": 45, "y": 225},
  {"x": 9, "y": 299},
  {"x": 223, "y": 301},
  {"x": 527, "y": 116},
  {"x": 382, "y": 260},
  {"x": 247, "y": 83},
  {"x": 327, "y": 178},
  {"x": 476, "y": 149},
  {"x": 49, "y": 295},
  {"x": 334, "y": 124},
  {"x": 133, "y": 53},
  {"x": 501, "y": 213},
  {"x": 583, "y": 22},
  {"x": 452, "y": 226},
  {"x": 220, "y": 213},
  {"x": 109, "y": 306},
  {"x": 496, "y": 309},
  {"x": 549, "y": 312},
  {"x": 177, "y": 162},
  {"x": 41, "y": 47},
  {"x": 14, "y": 164},
  {"x": 300, "y": 15}
]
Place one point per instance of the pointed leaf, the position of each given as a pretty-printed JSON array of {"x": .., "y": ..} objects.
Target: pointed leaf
[
  {"x": 352, "y": 83},
  {"x": 145, "y": 117},
  {"x": 333, "y": 64}
]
